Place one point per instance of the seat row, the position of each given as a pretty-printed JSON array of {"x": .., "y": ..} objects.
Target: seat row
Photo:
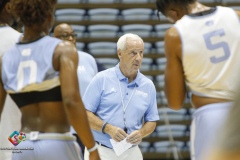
[
  {"x": 105, "y": 1},
  {"x": 112, "y": 31},
  {"x": 106, "y": 14},
  {"x": 134, "y": 1},
  {"x": 110, "y": 48}
]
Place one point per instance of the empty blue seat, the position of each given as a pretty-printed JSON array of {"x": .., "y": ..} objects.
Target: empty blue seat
[
  {"x": 103, "y": 30},
  {"x": 97, "y": 48},
  {"x": 103, "y": 14},
  {"x": 143, "y": 30},
  {"x": 137, "y": 14},
  {"x": 69, "y": 14}
]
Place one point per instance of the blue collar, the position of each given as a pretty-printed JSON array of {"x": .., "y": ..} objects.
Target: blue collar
[{"x": 121, "y": 77}]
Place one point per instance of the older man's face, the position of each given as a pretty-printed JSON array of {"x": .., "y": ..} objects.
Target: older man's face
[{"x": 133, "y": 54}]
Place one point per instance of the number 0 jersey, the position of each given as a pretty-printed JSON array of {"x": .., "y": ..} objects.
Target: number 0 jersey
[
  {"x": 28, "y": 74},
  {"x": 211, "y": 52}
]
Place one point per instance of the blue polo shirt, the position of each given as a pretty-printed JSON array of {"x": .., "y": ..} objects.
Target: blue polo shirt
[{"x": 103, "y": 98}]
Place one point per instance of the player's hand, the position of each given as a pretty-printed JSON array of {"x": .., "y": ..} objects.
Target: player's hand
[
  {"x": 94, "y": 155},
  {"x": 118, "y": 134},
  {"x": 135, "y": 137}
]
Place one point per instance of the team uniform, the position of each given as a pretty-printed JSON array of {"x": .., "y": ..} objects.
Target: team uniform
[
  {"x": 210, "y": 64},
  {"x": 29, "y": 77},
  {"x": 103, "y": 98},
  {"x": 11, "y": 115}
]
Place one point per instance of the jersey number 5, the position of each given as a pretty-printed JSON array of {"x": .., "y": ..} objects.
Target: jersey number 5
[
  {"x": 27, "y": 71},
  {"x": 212, "y": 46}
]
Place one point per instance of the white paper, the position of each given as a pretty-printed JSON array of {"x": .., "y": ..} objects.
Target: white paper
[{"x": 120, "y": 147}]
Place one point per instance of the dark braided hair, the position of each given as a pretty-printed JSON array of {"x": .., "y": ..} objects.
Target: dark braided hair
[
  {"x": 162, "y": 5},
  {"x": 2, "y": 4},
  {"x": 31, "y": 12}
]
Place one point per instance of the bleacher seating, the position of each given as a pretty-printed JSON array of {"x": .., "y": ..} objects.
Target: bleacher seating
[
  {"x": 99, "y": 23},
  {"x": 103, "y": 14},
  {"x": 136, "y": 14},
  {"x": 70, "y": 14}
]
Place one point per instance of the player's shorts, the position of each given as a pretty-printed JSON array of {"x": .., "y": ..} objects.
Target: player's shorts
[
  {"x": 48, "y": 146},
  {"x": 205, "y": 125}
]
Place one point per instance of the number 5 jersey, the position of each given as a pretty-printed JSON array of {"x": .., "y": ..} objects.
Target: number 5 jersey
[{"x": 211, "y": 51}]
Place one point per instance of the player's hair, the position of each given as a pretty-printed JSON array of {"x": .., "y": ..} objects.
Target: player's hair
[
  {"x": 121, "y": 43},
  {"x": 162, "y": 5},
  {"x": 31, "y": 12},
  {"x": 2, "y": 4}
]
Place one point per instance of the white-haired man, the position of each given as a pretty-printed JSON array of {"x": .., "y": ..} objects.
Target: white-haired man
[{"x": 118, "y": 101}]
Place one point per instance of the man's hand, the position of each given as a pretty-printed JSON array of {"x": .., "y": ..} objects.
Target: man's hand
[
  {"x": 135, "y": 137},
  {"x": 115, "y": 132}
]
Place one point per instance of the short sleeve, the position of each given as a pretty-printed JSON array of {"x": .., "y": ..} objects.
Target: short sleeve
[
  {"x": 152, "y": 112},
  {"x": 92, "y": 95}
]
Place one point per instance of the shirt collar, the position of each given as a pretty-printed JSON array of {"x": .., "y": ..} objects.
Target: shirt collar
[{"x": 121, "y": 77}]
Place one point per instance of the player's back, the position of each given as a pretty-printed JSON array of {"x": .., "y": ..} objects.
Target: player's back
[
  {"x": 29, "y": 77},
  {"x": 210, "y": 52}
]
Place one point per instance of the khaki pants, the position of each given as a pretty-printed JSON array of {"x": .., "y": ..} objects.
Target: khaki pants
[{"x": 109, "y": 154}]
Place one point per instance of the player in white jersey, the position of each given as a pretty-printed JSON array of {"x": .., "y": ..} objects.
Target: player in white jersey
[
  {"x": 10, "y": 118},
  {"x": 87, "y": 67},
  {"x": 202, "y": 50},
  {"x": 35, "y": 72}
]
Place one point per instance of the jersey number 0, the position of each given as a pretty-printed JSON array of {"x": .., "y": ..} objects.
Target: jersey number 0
[{"x": 27, "y": 71}]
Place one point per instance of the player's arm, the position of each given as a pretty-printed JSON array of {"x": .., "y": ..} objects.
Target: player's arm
[
  {"x": 66, "y": 61},
  {"x": 174, "y": 76},
  {"x": 2, "y": 91}
]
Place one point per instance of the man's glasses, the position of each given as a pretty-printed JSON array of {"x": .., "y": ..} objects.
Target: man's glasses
[{"x": 67, "y": 36}]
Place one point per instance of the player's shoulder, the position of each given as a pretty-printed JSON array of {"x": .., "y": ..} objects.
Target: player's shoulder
[
  {"x": 172, "y": 36},
  {"x": 172, "y": 32},
  {"x": 106, "y": 74},
  {"x": 65, "y": 50},
  {"x": 65, "y": 47},
  {"x": 145, "y": 79}
]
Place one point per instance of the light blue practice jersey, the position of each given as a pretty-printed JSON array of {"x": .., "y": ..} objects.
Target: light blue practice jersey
[
  {"x": 28, "y": 66},
  {"x": 87, "y": 69},
  {"x": 103, "y": 98}
]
